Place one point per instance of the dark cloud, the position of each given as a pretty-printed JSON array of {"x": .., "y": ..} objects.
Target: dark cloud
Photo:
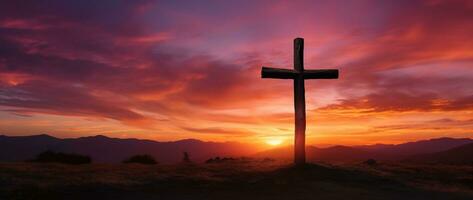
[
  {"x": 412, "y": 94},
  {"x": 386, "y": 76},
  {"x": 50, "y": 97},
  {"x": 77, "y": 66},
  {"x": 219, "y": 131}
]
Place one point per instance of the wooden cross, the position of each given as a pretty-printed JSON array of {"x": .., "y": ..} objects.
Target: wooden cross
[{"x": 299, "y": 74}]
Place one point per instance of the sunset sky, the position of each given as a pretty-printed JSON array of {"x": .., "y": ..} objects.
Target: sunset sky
[{"x": 169, "y": 70}]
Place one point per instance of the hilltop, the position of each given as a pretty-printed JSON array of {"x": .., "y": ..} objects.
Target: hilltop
[{"x": 240, "y": 179}]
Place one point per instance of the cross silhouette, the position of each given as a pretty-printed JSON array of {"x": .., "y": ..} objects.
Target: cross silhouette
[{"x": 299, "y": 74}]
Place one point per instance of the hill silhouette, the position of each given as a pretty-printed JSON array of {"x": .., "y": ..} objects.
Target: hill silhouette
[
  {"x": 104, "y": 149},
  {"x": 461, "y": 155},
  {"x": 418, "y": 147},
  {"x": 384, "y": 152},
  {"x": 250, "y": 178},
  {"x": 329, "y": 154}
]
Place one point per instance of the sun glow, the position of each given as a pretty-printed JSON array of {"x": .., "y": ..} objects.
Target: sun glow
[{"x": 274, "y": 141}]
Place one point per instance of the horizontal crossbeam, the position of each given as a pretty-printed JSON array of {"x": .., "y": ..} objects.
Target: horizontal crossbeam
[
  {"x": 320, "y": 74},
  {"x": 268, "y": 72}
]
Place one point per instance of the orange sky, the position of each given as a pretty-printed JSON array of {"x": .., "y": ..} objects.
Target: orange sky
[{"x": 171, "y": 70}]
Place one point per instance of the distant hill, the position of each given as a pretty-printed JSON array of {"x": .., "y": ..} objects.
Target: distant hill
[
  {"x": 329, "y": 154},
  {"x": 114, "y": 150},
  {"x": 404, "y": 150},
  {"x": 24, "y": 147},
  {"x": 378, "y": 151},
  {"x": 458, "y": 155},
  {"x": 338, "y": 153}
]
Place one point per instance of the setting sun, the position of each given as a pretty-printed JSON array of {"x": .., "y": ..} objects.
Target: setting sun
[{"x": 274, "y": 141}]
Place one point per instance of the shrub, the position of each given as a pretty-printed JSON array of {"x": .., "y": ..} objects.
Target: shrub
[
  {"x": 141, "y": 159},
  {"x": 57, "y": 157},
  {"x": 222, "y": 160},
  {"x": 370, "y": 162},
  {"x": 213, "y": 160}
]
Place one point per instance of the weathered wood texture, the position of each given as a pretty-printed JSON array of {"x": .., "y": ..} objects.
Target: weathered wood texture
[
  {"x": 320, "y": 74},
  {"x": 268, "y": 72},
  {"x": 299, "y": 75},
  {"x": 299, "y": 103}
]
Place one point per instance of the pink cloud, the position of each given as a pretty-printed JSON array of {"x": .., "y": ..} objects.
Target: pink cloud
[{"x": 143, "y": 60}]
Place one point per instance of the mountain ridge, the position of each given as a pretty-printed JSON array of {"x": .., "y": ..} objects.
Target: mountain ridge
[
  {"x": 113, "y": 150},
  {"x": 460, "y": 155},
  {"x": 385, "y": 152}
]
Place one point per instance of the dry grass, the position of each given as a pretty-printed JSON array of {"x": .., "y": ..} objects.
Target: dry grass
[
  {"x": 448, "y": 178},
  {"x": 234, "y": 180}
]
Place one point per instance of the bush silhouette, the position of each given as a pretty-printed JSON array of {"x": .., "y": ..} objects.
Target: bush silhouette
[
  {"x": 370, "y": 162},
  {"x": 57, "y": 157},
  {"x": 141, "y": 159},
  {"x": 224, "y": 159}
]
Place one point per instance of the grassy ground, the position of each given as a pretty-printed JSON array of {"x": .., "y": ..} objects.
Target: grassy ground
[{"x": 234, "y": 180}]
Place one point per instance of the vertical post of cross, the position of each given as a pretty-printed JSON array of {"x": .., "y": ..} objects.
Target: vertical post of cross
[{"x": 299, "y": 103}]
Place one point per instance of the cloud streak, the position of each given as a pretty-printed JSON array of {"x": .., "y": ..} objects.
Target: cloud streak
[{"x": 156, "y": 67}]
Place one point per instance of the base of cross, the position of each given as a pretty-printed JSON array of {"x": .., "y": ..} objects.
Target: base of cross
[{"x": 307, "y": 166}]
